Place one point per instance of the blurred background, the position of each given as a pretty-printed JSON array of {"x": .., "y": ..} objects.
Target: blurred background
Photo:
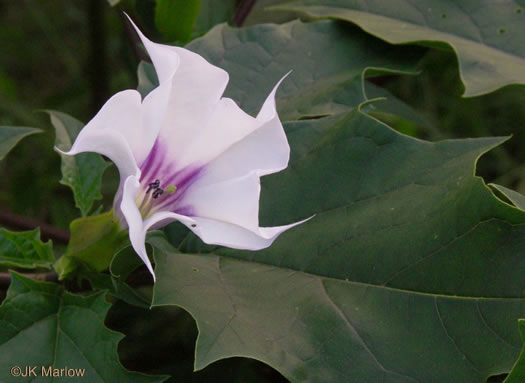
[{"x": 72, "y": 56}]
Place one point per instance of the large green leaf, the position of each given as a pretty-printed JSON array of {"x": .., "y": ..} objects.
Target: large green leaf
[
  {"x": 83, "y": 172},
  {"x": 10, "y": 135},
  {"x": 486, "y": 35},
  {"x": 44, "y": 326},
  {"x": 517, "y": 375},
  {"x": 409, "y": 265},
  {"x": 327, "y": 60},
  {"x": 25, "y": 249}
]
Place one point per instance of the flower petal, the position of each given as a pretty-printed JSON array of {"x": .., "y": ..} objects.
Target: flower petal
[
  {"x": 122, "y": 114},
  {"x": 137, "y": 232},
  {"x": 165, "y": 58},
  {"x": 215, "y": 232},
  {"x": 153, "y": 110},
  {"x": 227, "y": 125},
  {"x": 268, "y": 111},
  {"x": 226, "y": 234},
  {"x": 196, "y": 87},
  {"x": 110, "y": 144},
  {"x": 117, "y": 133},
  {"x": 264, "y": 149},
  {"x": 227, "y": 214},
  {"x": 194, "y": 79},
  {"x": 190, "y": 112},
  {"x": 162, "y": 218},
  {"x": 234, "y": 201}
]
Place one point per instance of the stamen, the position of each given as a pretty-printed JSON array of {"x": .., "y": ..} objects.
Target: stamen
[
  {"x": 148, "y": 203},
  {"x": 154, "y": 185},
  {"x": 157, "y": 192}
]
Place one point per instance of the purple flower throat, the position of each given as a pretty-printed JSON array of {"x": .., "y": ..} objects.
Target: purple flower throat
[{"x": 163, "y": 185}]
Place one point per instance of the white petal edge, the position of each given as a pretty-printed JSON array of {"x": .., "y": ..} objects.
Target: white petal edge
[
  {"x": 195, "y": 90},
  {"x": 122, "y": 114},
  {"x": 226, "y": 234},
  {"x": 268, "y": 110},
  {"x": 264, "y": 149},
  {"x": 189, "y": 67},
  {"x": 165, "y": 60},
  {"x": 214, "y": 232},
  {"x": 110, "y": 144},
  {"x": 137, "y": 232}
]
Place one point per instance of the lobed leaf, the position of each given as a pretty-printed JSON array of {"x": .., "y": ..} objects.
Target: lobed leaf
[
  {"x": 82, "y": 172},
  {"x": 411, "y": 263},
  {"x": 327, "y": 61},
  {"x": 64, "y": 330},
  {"x": 25, "y": 250},
  {"x": 486, "y": 35},
  {"x": 11, "y": 135}
]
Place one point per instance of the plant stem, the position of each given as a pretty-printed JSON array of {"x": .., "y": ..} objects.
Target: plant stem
[
  {"x": 24, "y": 223},
  {"x": 242, "y": 12},
  {"x": 5, "y": 278}
]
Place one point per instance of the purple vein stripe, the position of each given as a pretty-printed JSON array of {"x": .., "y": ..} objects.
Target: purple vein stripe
[{"x": 157, "y": 167}]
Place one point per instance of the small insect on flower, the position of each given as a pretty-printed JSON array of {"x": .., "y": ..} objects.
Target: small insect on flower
[{"x": 187, "y": 154}]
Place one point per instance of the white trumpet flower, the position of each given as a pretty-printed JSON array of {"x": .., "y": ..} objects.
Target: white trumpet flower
[{"x": 187, "y": 154}]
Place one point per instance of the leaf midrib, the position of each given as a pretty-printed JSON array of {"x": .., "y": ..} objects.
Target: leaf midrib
[{"x": 328, "y": 278}]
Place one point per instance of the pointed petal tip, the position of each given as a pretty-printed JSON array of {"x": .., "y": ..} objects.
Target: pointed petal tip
[
  {"x": 150, "y": 269},
  {"x": 70, "y": 152},
  {"x": 142, "y": 37},
  {"x": 268, "y": 110},
  {"x": 286, "y": 75},
  {"x": 274, "y": 90},
  {"x": 59, "y": 151},
  {"x": 273, "y": 232},
  {"x": 144, "y": 256},
  {"x": 137, "y": 30},
  {"x": 130, "y": 19}
]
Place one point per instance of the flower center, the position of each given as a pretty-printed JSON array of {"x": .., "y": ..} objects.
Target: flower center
[{"x": 148, "y": 200}]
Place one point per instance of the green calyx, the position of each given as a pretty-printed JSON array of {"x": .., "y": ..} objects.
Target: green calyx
[{"x": 94, "y": 241}]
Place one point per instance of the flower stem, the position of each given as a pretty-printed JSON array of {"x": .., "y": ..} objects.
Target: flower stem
[{"x": 243, "y": 10}]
